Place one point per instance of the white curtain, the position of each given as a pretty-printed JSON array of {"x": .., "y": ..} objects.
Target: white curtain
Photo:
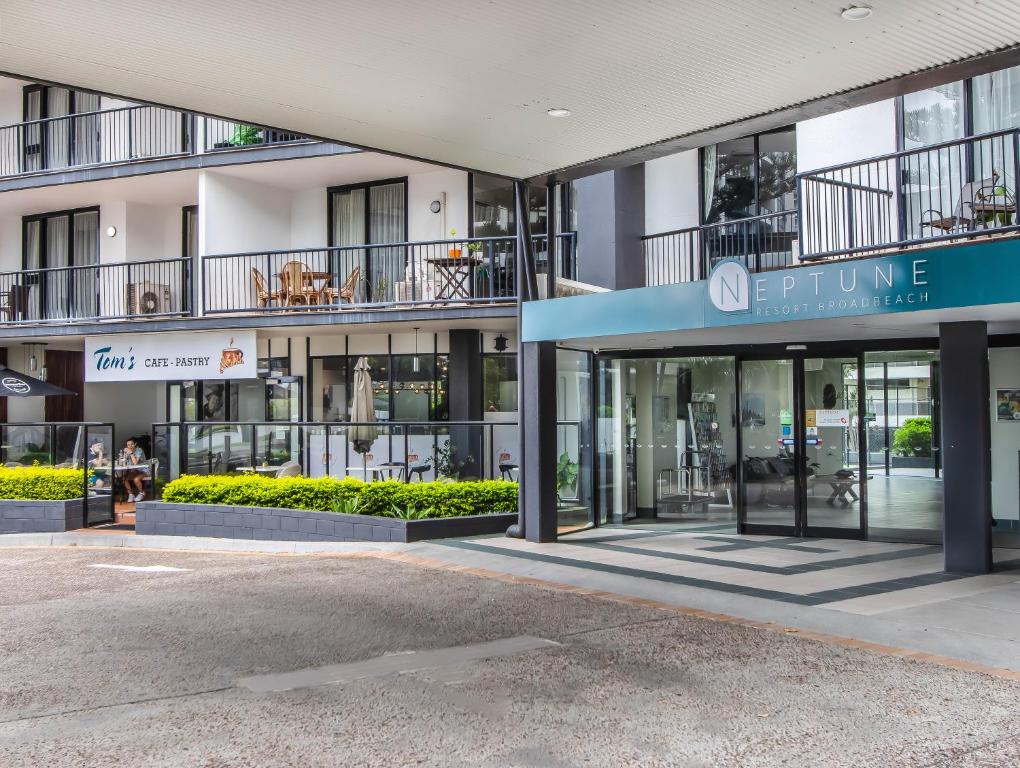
[
  {"x": 33, "y": 260},
  {"x": 349, "y": 229},
  {"x": 996, "y": 108},
  {"x": 86, "y": 129},
  {"x": 86, "y": 253},
  {"x": 386, "y": 225},
  {"x": 57, "y": 285},
  {"x": 710, "y": 155},
  {"x": 58, "y": 104}
]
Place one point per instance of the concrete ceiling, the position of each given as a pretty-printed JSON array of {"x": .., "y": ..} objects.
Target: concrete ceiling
[{"x": 468, "y": 82}]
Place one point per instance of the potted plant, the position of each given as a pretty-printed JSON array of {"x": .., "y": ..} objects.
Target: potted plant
[
  {"x": 454, "y": 252},
  {"x": 245, "y": 135},
  {"x": 566, "y": 474}
]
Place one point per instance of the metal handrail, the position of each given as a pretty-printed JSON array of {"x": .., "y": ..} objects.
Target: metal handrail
[
  {"x": 905, "y": 152},
  {"x": 93, "y": 113}
]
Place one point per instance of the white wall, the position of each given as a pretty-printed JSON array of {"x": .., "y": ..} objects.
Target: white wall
[
  {"x": 847, "y": 136},
  {"x": 131, "y": 406},
  {"x": 238, "y": 215},
  {"x": 1004, "y": 373},
  {"x": 308, "y": 218},
  {"x": 671, "y": 192},
  {"x": 422, "y": 189}
]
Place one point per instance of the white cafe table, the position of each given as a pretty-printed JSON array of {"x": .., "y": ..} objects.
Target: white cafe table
[{"x": 259, "y": 470}]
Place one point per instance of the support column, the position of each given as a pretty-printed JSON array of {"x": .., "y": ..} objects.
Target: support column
[
  {"x": 538, "y": 427},
  {"x": 966, "y": 447},
  {"x": 465, "y": 400}
]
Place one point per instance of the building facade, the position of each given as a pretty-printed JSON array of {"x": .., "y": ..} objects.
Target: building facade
[{"x": 815, "y": 335}]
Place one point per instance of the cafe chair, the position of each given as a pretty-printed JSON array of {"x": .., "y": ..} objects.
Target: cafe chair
[
  {"x": 297, "y": 285},
  {"x": 330, "y": 295},
  {"x": 419, "y": 469},
  {"x": 262, "y": 293}
]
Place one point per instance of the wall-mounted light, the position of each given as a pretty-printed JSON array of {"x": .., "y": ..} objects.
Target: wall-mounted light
[
  {"x": 558, "y": 112},
  {"x": 36, "y": 351},
  {"x": 435, "y": 206},
  {"x": 500, "y": 343},
  {"x": 111, "y": 231}
]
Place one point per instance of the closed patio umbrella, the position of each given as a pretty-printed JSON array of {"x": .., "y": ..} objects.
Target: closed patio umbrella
[
  {"x": 14, "y": 384},
  {"x": 361, "y": 436}
]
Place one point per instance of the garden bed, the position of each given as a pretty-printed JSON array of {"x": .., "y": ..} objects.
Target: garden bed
[
  {"x": 276, "y": 524},
  {"x": 41, "y": 499},
  {"x": 327, "y": 509}
]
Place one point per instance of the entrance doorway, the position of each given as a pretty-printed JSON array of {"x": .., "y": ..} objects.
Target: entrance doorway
[{"x": 802, "y": 472}]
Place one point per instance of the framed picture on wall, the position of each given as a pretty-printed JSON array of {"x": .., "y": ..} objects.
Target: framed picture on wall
[{"x": 1007, "y": 405}]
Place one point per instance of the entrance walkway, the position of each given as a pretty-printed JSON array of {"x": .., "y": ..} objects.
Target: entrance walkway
[{"x": 892, "y": 594}]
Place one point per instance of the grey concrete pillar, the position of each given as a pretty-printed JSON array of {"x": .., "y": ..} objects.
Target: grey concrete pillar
[
  {"x": 465, "y": 400},
  {"x": 610, "y": 222},
  {"x": 966, "y": 447},
  {"x": 538, "y": 426}
]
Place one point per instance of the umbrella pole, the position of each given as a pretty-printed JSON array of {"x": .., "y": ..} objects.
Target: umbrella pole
[{"x": 364, "y": 467}]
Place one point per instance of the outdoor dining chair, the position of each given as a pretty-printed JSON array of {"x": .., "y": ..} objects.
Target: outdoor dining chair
[
  {"x": 262, "y": 293},
  {"x": 297, "y": 285},
  {"x": 346, "y": 291},
  {"x": 986, "y": 194}
]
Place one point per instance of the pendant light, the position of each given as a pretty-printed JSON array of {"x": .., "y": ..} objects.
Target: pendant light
[
  {"x": 34, "y": 353},
  {"x": 416, "y": 363}
]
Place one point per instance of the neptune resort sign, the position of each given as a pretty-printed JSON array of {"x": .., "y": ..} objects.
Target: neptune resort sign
[{"x": 867, "y": 286}]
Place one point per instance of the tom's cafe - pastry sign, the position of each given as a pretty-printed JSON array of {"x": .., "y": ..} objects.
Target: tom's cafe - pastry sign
[{"x": 171, "y": 356}]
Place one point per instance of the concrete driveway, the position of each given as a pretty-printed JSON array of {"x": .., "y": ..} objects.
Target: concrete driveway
[{"x": 134, "y": 658}]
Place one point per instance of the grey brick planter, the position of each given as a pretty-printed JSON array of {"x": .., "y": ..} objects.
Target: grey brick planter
[
  {"x": 18, "y": 516},
  {"x": 271, "y": 524}
]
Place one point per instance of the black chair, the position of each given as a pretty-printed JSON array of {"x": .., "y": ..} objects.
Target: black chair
[
  {"x": 419, "y": 469},
  {"x": 506, "y": 470}
]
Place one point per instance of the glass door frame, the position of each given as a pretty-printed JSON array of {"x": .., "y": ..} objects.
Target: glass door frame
[{"x": 801, "y": 526}]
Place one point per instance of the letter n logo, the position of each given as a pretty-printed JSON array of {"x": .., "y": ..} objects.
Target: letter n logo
[{"x": 729, "y": 287}]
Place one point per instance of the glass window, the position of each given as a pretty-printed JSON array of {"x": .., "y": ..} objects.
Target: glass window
[
  {"x": 499, "y": 383},
  {"x": 413, "y": 386},
  {"x": 189, "y": 231},
  {"x": 493, "y": 209},
  {"x": 329, "y": 394},
  {"x": 728, "y": 170},
  {"x": 379, "y": 371},
  {"x": 933, "y": 115},
  {"x": 777, "y": 171},
  {"x": 996, "y": 100}
]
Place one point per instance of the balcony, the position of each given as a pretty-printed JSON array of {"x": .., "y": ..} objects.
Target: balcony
[
  {"x": 125, "y": 135},
  {"x": 224, "y": 134},
  {"x": 475, "y": 271},
  {"x": 953, "y": 192},
  {"x": 127, "y": 290},
  {"x": 94, "y": 138},
  {"x": 761, "y": 243}
]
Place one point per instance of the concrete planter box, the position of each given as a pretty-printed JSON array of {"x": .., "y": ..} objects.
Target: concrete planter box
[
  {"x": 272, "y": 524},
  {"x": 37, "y": 516}
]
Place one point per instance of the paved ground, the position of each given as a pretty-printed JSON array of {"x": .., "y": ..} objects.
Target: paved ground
[{"x": 100, "y": 666}]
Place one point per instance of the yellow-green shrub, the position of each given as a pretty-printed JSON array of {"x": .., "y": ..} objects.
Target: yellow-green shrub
[
  {"x": 327, "y": 494},
  {"x": 45, "y": 483}
]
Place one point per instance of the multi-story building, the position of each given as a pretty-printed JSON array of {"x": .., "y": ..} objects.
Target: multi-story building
[{"x": 208, "y": 287}]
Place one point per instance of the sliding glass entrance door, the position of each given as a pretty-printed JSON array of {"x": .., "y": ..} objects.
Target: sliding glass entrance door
[{"x": 800, "y": 430}]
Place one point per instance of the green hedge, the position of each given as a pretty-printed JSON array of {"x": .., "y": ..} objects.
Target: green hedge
[
  {"x": 390, "y": 498},
  {"x": 913, "y": 437},
  {"x": 47, "y": 483}
]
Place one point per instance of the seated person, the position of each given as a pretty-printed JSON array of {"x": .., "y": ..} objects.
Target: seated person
[
  {"x": 133, "y": 455},
  {"x": 99, "y": 464}
]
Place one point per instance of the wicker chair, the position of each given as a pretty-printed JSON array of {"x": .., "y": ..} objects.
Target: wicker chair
[
  {"x": 346, "y": 292},
  {"x": 297, "y": 287},
  {"x": 262, "y": 293}
]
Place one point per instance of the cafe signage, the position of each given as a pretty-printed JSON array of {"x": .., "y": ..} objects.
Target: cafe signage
[{"x": 171, "y": 356}]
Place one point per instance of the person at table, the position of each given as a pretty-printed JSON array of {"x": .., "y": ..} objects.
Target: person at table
[
  {"x": 98, "y": 463},
  {"x": 133, "y": 455}
]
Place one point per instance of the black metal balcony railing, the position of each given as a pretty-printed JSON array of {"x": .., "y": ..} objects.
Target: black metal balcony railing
[
  {"x": 473, "y": 271},
  {"x": 97, "y": 292},
  {"x": 93, "y": 138},
  {"x": 686, "y": 255},
  {"x": 225, "y": 134},
  {"x": 411, "y": 451},
  {"x": 950, "y": 191}
]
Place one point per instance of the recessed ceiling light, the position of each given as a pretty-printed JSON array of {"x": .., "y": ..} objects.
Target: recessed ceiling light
[
  {"x": 856, "y": 12},
  {"x": 558, "y": 112}
]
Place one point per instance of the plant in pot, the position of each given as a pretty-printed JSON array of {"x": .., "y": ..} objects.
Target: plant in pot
[
  {"x": 455, "y": 251},
  {"x": 245, "y": 135},
  {"x": 566, "y": 474}
]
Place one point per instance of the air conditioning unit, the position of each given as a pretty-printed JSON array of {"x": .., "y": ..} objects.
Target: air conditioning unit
[{"x": 148, "y": 299}]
